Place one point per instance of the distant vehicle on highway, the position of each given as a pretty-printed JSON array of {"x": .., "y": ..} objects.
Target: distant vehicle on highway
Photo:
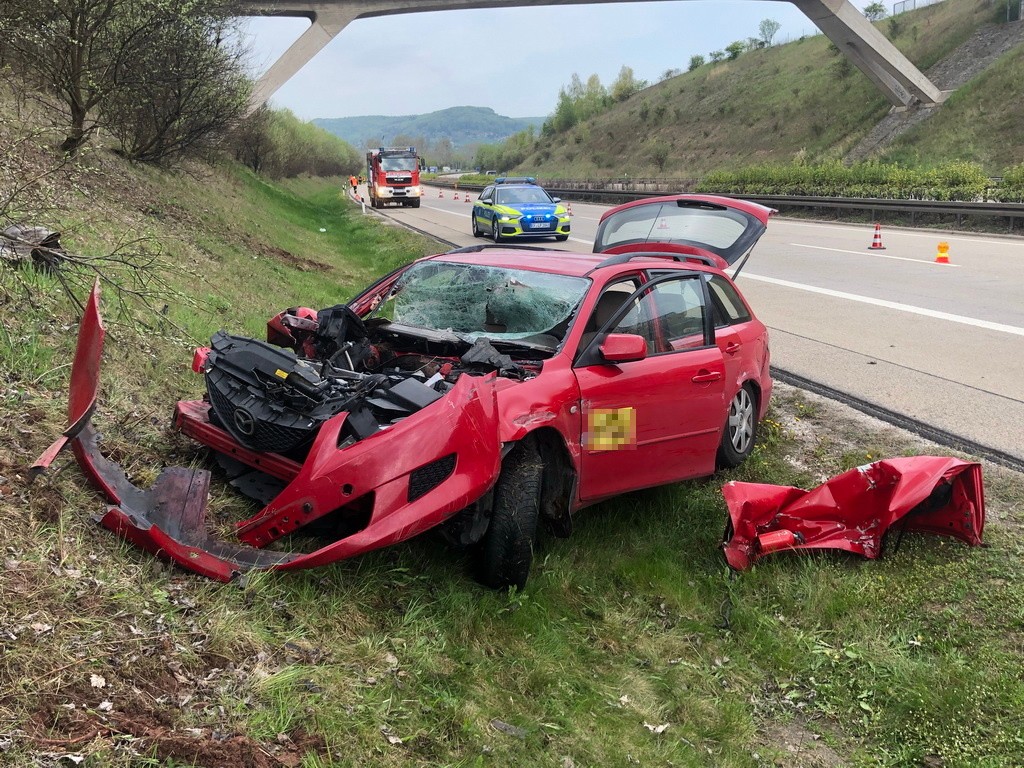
[{"x": 514, "y": 207}]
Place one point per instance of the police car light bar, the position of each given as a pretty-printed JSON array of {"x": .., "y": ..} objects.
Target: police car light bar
[{"x": 515, "y": 180}]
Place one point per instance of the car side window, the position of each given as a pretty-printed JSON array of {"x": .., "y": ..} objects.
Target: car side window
[
  {"x": 669, "y": 315},
  {"x": 485, "y": 196},
  {"x": 727, "y": 306}
]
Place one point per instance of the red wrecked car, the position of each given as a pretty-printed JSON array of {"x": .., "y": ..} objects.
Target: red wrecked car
[{"x": 478, "y": 390}]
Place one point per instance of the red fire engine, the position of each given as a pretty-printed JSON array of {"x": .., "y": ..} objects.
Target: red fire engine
[{"x": 393, "y": 175}]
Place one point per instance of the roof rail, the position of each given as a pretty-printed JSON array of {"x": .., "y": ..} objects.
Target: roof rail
[{"x": 622, "y": 258}]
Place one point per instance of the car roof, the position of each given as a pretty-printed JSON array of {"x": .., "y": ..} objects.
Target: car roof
[{"x": 557, "y": 262}]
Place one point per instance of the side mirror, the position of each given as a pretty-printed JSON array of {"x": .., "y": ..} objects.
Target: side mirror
[
  {"x": 623, "y": 348},
  {"x": 556, "y": 199}
]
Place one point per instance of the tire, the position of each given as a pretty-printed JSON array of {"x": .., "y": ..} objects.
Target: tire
[
  {"x": 476, "y": 228},
  {"x": 507, "y": 549},
  {"x": 561, "y": 238},
  {"x": 416, "y": 203},
  {"x": 496, "y": 230},
  {"x": 740, "y": 432}
]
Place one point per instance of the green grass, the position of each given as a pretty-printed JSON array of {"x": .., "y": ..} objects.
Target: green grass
[{"x": 397, "y": 658}]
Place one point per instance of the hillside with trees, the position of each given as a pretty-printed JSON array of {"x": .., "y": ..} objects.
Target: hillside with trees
[
  {"x": 756, "y": 103},
  {"x": 445, "y": 132}
]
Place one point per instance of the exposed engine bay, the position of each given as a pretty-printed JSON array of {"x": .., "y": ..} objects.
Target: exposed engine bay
[{"x": 273, "y": 396}]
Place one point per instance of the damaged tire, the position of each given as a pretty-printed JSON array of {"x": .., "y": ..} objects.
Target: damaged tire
[
  {"x": 507, "y": 549},
  {"x": 740, "y": 432}
]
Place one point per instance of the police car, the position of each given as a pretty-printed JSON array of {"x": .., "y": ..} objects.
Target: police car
[{"x": 515, "y": 207}]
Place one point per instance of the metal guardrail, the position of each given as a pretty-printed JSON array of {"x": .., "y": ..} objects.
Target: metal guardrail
[{"x": 1013, "y": 212}]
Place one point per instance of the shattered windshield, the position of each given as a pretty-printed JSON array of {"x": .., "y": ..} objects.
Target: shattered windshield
[{"x": 477, "y": 301}]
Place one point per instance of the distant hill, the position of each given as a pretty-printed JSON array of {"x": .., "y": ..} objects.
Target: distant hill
[{"x": 463, "y": 126}]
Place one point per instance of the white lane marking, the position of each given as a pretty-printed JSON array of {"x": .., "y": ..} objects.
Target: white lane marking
[
  {"x": 890, "y": 305},
  {"x": 578, "y": 240},
  {"x": 872, "y": 253},
  {"x": 467, "y": 214},
  {"x": 903, "y": 233}
]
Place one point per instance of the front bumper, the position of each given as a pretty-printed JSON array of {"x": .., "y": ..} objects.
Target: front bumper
[
  {"x": 398, "y": 482},
  {"x": 522, "y": 228}
]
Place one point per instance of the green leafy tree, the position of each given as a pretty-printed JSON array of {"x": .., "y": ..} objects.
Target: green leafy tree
[
  {"x": 625, "y": 85},
  {"x": 875, "y": 11},
  {"x": 716, "y": 56},
  {"x": 767, "y": 30},
  {"x": 695, "y": 61},
  {"x": 734, "y": 49}
]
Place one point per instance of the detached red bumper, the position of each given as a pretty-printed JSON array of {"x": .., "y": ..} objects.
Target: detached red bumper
[{"x": 853, "y": 511}]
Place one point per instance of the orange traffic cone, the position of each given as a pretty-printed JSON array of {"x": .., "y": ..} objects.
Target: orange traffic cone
[
  {"x": 569, "y": 205},
  {"x": 662, "y": 224},
  {"x": 440, "y": 193},
  {"x": 467, "y": 198},
  {"x": 456, "y": 197},
  {"x": 876, "y": 241},
  {"x": 942, "y": 257}
]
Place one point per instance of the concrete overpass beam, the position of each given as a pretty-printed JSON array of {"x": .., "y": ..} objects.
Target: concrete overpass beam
[{"x": 853, "y": 34}]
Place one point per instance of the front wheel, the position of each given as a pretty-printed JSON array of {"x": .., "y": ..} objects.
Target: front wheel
[
  {"x": 476, "y": 227},
  {"x": 740, "y": 432},
  {"x": 416, "y": 203},
  {"x": 495, "y": 230},
  {"x": 561, "y": 238},
  {"x": 507, "y": 549}
]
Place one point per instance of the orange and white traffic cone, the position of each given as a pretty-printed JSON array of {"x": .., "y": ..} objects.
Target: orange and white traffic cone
[
  {"x": 662, "y": 224},
  {"x": 876, "y": 241},
  {"x": 569, "y": 206},
  {"x": 467, "y": 198},
  {"x": 942, "y": 257},
  {"x": 440, "y": 193},
  {"x": 456, "y": 197}
]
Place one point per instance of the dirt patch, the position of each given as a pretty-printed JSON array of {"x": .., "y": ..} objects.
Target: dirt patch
[
  {"x": 285, "y": 257},
  {"x": 796, "y": 746}
]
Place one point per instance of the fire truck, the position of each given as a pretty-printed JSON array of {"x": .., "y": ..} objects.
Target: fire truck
[{"x": 393, "y": 176}]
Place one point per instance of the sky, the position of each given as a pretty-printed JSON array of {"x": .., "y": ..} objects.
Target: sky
[{"x": 513, "y": 60}]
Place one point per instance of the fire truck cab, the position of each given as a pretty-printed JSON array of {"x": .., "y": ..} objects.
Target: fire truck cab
[{"x": 393, "y": 176}]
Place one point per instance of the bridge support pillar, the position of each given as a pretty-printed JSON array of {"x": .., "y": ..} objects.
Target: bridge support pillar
[
  {"x": 327, "y": 24},
  {"x": 856, "y": 37}
]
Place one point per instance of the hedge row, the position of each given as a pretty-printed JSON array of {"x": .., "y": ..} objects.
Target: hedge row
[{"x": 952, "y": 181}]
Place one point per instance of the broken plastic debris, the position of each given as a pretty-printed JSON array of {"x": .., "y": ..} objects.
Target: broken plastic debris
[{"x": 853, "y": 511}]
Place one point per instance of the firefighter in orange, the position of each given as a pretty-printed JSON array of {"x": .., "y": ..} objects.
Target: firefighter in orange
[{"x": 354, "y": 182}]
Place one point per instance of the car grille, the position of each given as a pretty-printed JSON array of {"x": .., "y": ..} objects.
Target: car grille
[
  {"x": 429, "y": 476},
  {"x": 266, "y": 436}
]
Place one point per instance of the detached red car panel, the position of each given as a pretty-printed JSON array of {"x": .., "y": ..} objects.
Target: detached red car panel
[
  {"x": 476, "y": 391},
  {"x": 853, "y": 511}
]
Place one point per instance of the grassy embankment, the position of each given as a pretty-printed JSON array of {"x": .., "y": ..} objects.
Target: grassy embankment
[
  {"x": 398, "y": 657},
  {"x": 798, "y": 101}
]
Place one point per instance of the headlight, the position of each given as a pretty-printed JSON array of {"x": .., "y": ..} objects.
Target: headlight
[
  {"x": 415, "y": 191},
  {"x": 506, "y": 217}
]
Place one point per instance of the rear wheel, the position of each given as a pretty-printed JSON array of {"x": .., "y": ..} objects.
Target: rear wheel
[
  {"x": 740, "y": 431},
  {"x": 507, "y": 549}
]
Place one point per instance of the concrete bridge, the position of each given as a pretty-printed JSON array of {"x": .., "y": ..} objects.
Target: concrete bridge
[{"x": 896, "y": 77}]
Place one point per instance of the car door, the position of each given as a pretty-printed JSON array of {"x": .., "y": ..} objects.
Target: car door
[
  {"x": 482, "y": 208},
  {"x": 656, "y": 420}
]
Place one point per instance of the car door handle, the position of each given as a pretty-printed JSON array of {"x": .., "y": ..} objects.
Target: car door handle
[
  {"x": 705, "y": 376},
  {"x": 732, "y": 347}
]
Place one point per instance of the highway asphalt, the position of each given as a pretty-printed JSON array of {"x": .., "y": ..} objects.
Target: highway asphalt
[{"x": 941, "y": 344}]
